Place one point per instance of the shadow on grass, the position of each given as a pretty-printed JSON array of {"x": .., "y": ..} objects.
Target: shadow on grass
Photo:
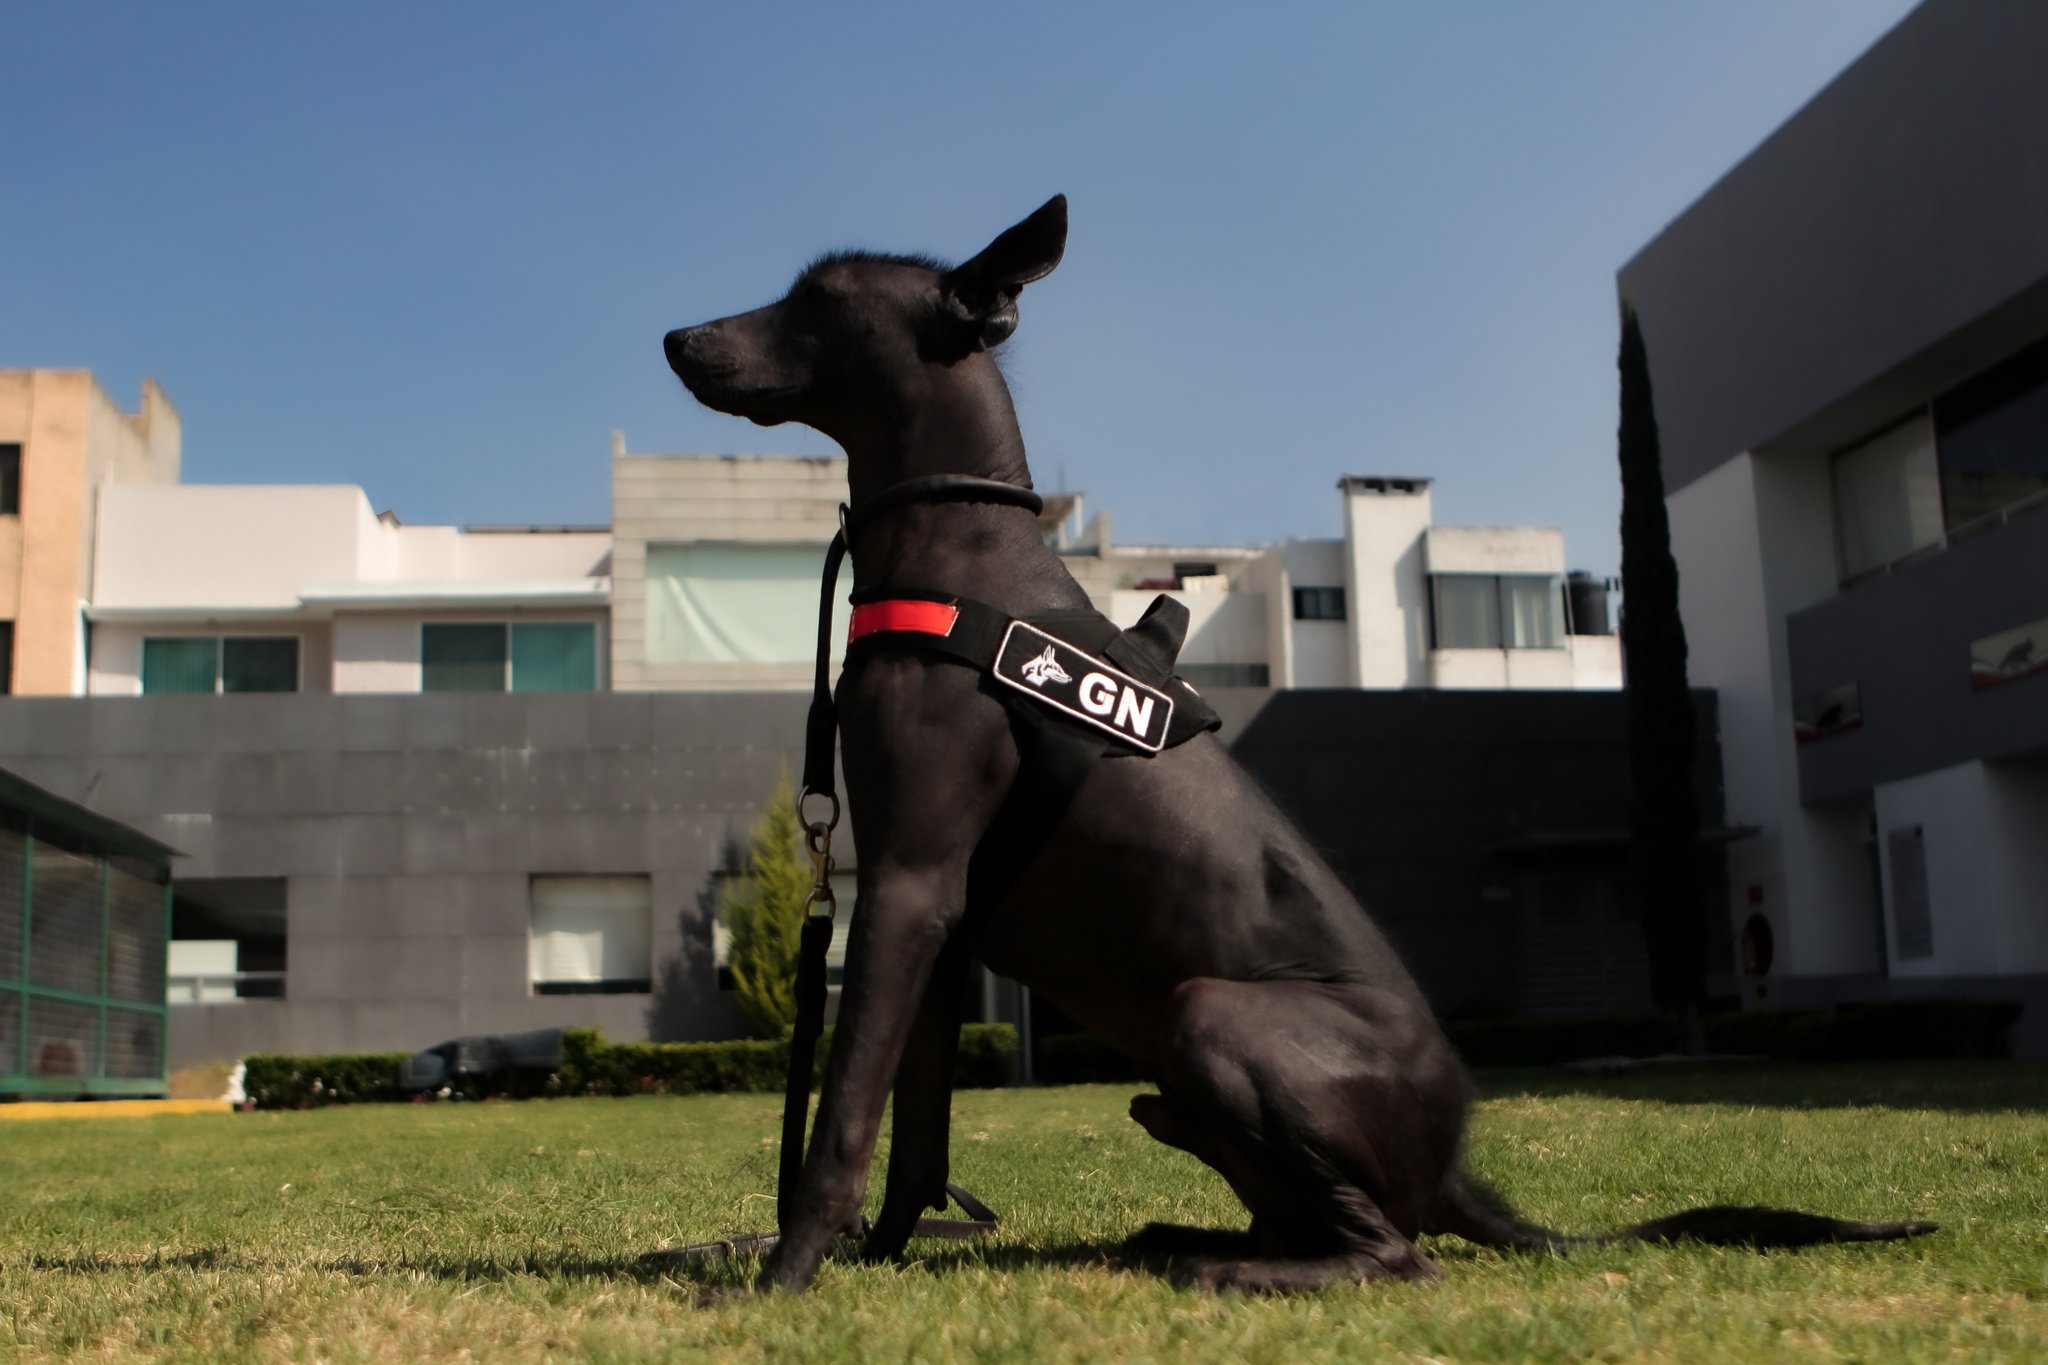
[
  {"x": 702, "y": 1273},
  {"x": 1963, "y": 1087}
]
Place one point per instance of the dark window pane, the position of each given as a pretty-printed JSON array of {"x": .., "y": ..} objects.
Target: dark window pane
[
  {"x": 179, "y": 664},
  {"x": 1319, "y": 604},
  {"x": 554, "y": 658},
  {"x": 1467, "y": 611},
  {"x": 1532, "y": 611},
  {"x": 259, "y": 664},
  {"x": 1992, "y": 438},
  {"x": 462, "y": 658},
  {"x": 10, "y": 477},
  {"x": 6, "y": 658}
]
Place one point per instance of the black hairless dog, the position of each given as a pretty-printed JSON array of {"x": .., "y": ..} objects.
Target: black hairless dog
[{"x": 1163, "y": 901}]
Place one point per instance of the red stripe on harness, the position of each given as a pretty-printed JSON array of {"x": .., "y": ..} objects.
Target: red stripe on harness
[{"x": 902, "y": 614}]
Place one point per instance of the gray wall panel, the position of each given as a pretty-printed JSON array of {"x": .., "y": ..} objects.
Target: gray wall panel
[
  {"x": 1904, "y": 639},
  {"x": 1889, "y": 239}
]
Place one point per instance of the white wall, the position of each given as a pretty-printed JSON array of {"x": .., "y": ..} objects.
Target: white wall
[
  {"x": 1985, "y": 832},
  {"x": 1754, "y": 542},
  {"x": 380, "y": 652},
  {"x": 1494, "y": 550},
  {"x": 230, "y": 546},
  {"x": 376, "y": 654},
  {"x": 1596, "y": 661},
  {"x": 1223, "y": 627},
  {"x": 1386, "y": 587}
]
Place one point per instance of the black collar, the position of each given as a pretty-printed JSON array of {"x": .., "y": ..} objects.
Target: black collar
[{"x": 936, "y": 488}]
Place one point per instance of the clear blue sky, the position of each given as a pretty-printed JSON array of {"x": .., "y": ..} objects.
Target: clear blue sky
[{"x": 432, "y": 249}]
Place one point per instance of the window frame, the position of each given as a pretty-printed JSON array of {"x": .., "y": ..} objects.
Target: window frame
[
  {"x": 10, "y": 478},
  {"x": 635, "y": 985},
  {"x": 220, "y": 660},
  {"x": 507, "y": 626},
  {"x": 1502, "y": 613},
  {"x": 1306, "y": 596}
]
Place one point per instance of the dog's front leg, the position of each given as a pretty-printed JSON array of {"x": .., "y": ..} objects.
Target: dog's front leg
[
  {"x": 923, "y": 1110},
  {"x": 904, "y": 919}
]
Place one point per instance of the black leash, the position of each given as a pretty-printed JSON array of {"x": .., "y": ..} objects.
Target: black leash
[{"x": 821, "y": 732}]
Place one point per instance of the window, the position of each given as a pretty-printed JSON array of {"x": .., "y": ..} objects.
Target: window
[
  {"x": 1186, "y": 569},
  {"x": 735, "y": 604},
  {"x": 215, "y": 663},
  {"x": 1887, "y": 497},
  {"x": 227, "y": 939},
  {"x": 1319, "y": 604},
  {"x": 591, "y": 935},
  {"x": 522, "y": 657},
  {"x": 1993, "y": 435},
  {"x": 1226, "y": 675},
  {"x": 1912, "y": 916},
  {"x": 1504, "y": 611},
  {"x": 10, "y": 478},
  {"x": 6, "y": 658}
]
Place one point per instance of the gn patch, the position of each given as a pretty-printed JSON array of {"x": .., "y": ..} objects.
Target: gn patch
[{"x": 1052, "y": 671}]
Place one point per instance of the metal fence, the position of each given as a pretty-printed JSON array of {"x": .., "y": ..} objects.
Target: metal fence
[{"x": 83, "y": 933}]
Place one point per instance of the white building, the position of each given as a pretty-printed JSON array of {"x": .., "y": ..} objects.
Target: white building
[
  {"x": 299, "y": 588},
  {"x": 1848, "y": 338},
  {"x": 717, "y": 561}
]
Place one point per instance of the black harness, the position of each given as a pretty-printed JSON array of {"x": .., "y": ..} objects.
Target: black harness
[{"x": 1077, "y": 689}]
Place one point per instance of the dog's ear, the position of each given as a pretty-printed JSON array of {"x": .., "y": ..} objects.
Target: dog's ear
[{"x": 983, "y": 292}]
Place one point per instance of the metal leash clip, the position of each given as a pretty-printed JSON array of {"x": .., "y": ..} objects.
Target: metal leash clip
[{"x": 818, "y": 841}]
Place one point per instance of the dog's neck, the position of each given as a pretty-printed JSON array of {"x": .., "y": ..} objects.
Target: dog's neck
[{"x": 987, "y": 551}]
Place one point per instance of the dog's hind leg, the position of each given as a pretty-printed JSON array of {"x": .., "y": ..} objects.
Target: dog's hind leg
[{"x": 1333, "y": 1119}]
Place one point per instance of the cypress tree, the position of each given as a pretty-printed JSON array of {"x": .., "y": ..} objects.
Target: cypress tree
[
  {"x": 764, "y": 917},
  {"x": 1663, "y": 803}
]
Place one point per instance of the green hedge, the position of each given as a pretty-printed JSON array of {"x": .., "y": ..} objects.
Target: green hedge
[{"x": 592, "y": 1066}]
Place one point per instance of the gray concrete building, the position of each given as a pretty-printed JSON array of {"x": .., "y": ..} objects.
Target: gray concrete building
[
  {"x": 372, "y": 873},
  {"x": 1848, "y": 337}
]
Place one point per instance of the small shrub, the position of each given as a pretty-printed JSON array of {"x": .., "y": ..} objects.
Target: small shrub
[
  {"x": 764, "y": 916},
  {"x": 592, "y": 1066}
]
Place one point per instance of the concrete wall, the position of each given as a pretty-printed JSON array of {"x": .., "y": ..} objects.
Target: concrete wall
[
  {"x": 1419, "y": 799},
  {"x": 1386, "y": 585},
  {"x": 408, "y": 827},
  {"x": 244, "y": 546},
  {"x": 661, "y": 499},
  {"x": 1223, "y": 627},
  {"x": 1904, "y": 638},
  {"x": 76, "y": 444},
  {"x": 238, "y": 546},
  {"x": 1319, "y": 651}
]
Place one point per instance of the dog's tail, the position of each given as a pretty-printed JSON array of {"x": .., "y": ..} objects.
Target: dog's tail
[{"x": 1470, "y": 1208}]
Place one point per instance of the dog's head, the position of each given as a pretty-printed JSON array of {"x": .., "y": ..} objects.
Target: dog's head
[{"x": 861, "y": 339}]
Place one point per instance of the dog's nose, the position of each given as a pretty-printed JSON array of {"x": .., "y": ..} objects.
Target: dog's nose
[{"x": 676, "y": 346}]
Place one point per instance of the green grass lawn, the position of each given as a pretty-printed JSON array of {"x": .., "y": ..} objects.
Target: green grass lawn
[{"x": 512, "y": 1231}]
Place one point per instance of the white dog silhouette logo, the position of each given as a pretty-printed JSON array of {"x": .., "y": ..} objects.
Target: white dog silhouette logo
[{"x": 1044, "y": 669}]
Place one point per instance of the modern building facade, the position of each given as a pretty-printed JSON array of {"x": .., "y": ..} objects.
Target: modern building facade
[
  {"x": 63, "y": 444},
  {"x": 1848, "y": 338},
  {"x": 300, "y": 588},
  {"x": 373, "y": 851}
]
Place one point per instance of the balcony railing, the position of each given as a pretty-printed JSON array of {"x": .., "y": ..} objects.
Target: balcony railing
[{"x": 223, "y": 988}]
